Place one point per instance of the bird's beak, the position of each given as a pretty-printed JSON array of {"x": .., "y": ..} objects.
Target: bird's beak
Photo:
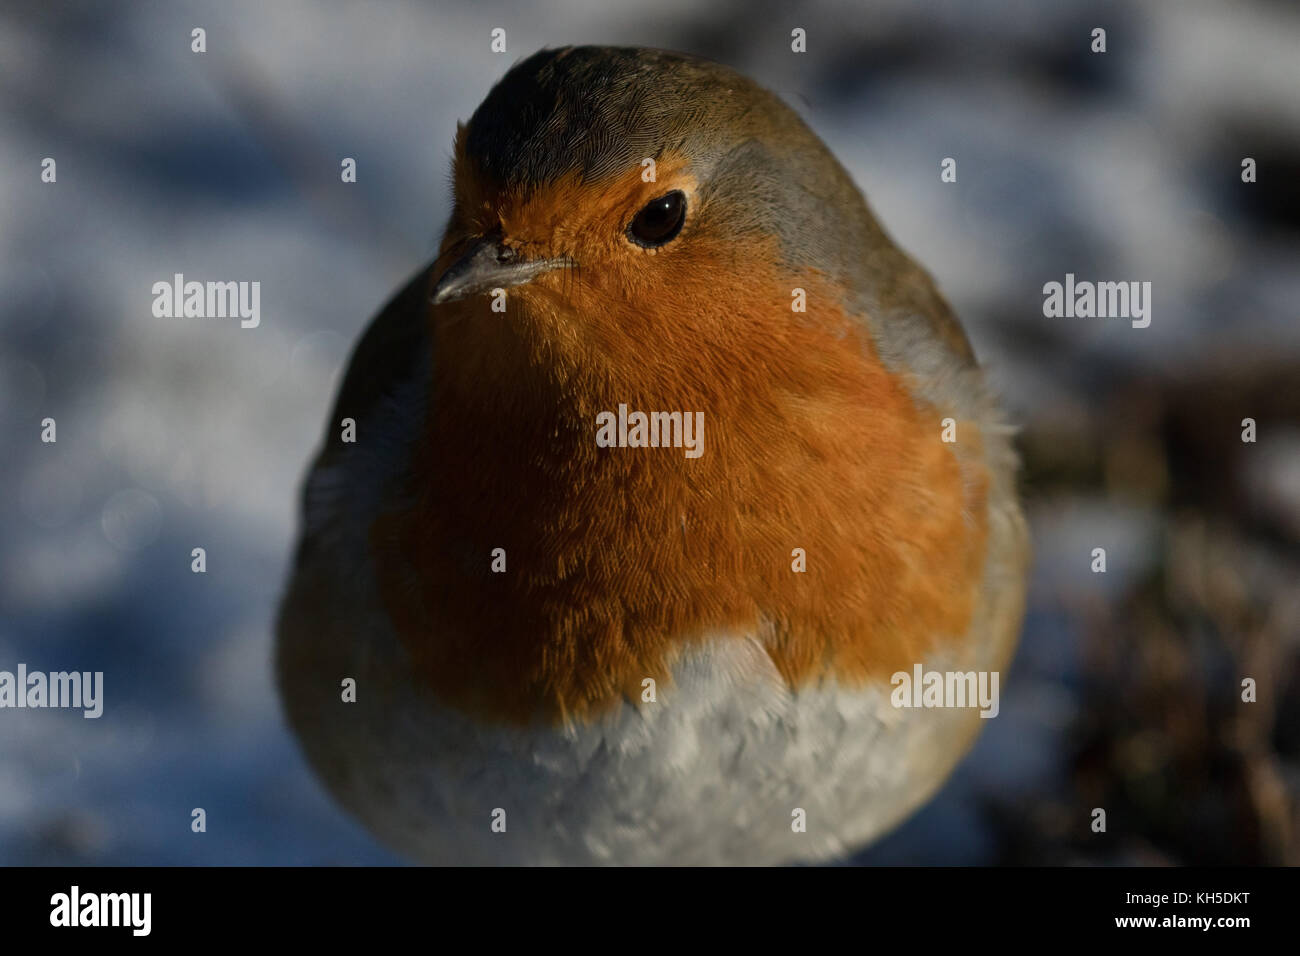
[{"x": 488, "y": 264}]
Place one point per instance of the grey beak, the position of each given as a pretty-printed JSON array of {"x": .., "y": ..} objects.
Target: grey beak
[{"x": 488, "y": 264}]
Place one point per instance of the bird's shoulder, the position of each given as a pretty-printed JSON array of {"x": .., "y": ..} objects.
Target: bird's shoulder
[
  {"x": 379, "y": 407},
  {"x": 388, "y": 354}
]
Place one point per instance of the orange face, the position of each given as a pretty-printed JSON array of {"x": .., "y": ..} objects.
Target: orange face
[
  {"x": 611, "y": 276},
  {"x": 617, "y": 558}
]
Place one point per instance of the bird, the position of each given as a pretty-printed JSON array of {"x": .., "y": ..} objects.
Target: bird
[{"x": 519, "y": 630}]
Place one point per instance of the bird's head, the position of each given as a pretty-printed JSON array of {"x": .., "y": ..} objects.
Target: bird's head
[{"x": 624, "y": 197}]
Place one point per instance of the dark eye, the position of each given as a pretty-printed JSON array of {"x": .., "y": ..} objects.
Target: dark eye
[{"x": 660, "y": 221}]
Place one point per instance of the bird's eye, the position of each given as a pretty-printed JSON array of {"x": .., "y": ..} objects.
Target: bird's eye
[{"x": 660, "y": 221}]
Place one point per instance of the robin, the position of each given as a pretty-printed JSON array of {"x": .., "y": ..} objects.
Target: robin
[{"x": 645, "y": 511}]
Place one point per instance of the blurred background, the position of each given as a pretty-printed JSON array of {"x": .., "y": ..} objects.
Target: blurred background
[{"x": 175, "y": 434}]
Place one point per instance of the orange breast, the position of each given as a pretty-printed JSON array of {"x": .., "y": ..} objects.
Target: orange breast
[{"x": 616, "y": 558}]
